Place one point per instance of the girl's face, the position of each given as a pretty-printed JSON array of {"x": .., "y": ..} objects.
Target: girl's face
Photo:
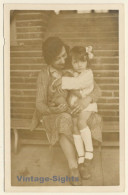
[
  {"x": 59, "y": 62},
  {"x": 79, "y": 65}
]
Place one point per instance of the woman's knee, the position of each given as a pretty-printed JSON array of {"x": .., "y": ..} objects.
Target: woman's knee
[
  {"x": 66, "y": 116},
  {"x": 66, "y": 123},
  {"x": 76, "y": 131}
]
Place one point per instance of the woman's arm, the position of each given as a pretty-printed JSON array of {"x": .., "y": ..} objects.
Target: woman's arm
[
  {"x": 41, "y": 96},
  {"x": 92, "y": 97},
  {"x": 96, "y": 93},
  {"x": 84, "y": 102}
]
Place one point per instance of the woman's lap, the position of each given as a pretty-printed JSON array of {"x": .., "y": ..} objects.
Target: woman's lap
[
  {"x": 57, "y": 124},
  {"x": 62, "y": 123}
]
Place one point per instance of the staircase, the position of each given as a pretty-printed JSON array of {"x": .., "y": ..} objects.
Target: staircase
[{"x": 97, "y": 29}]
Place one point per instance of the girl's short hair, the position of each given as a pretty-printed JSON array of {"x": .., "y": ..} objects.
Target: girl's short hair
[
  {"x": 79, "y": 53},
  {"x": 51, "y": 49}
]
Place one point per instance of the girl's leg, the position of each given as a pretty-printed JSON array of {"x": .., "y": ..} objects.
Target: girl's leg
[
  {"x": 86, "y": 134},
  {"x": 78, "y": 142}
]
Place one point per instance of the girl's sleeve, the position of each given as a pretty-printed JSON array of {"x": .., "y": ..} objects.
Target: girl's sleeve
[
  {"x": 80, "y": 82},
  {"x": 41, "y": 96},
  {"x": 96, "y": 93}
]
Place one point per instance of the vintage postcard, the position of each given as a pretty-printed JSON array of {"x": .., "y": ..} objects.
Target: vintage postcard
[{"x": 64, "y": 97}]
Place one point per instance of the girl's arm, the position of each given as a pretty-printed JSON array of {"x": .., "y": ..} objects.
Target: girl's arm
[{"x": 80, "y": 82}]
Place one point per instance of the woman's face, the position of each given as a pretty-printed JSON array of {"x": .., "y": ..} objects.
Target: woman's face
[{"x": 59, "y": 62}]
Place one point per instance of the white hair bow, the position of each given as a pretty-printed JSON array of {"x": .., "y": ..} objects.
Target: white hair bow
[{"x": 89, "y": 52}]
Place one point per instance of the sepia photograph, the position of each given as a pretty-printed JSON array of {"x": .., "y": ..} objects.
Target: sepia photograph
[{"x": 65, "y": 97}]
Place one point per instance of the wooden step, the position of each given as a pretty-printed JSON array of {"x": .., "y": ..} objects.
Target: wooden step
[
  {"x": 23, "y": 80},
  {"x": 38, "y": 43},
  {"x": 108, "y": 100},
  {"x": 99, "y": 46},
  {"x": 85, "y": 19},
  {"x": 25, "y": 124},
  {"x": 34, "y": 60},
  {"x": 106, "y": 74},
  {"x": 31, "y": 110},
  {"x": 84, "y": 24},
  {"x": 95, "y": 67},
  {"x": 29, "y": 116},
  {"x": 25, "y": 73},
  {"x": 89, "y": 35},
  {"x": 114, "y": 100},
  {"x": 25, "y": 48},
  {"x": 33, "y": 86},
  {"x": 28, "y": 104},
  {"x": 39, "y": 60},
  {"x": 31, "y": 36},
  {"x": 31, "y": 29},
  {"x": 86, "y": 41},
  {"x": 110, "y": 94},
  {"x": 26, "y": 54},
  {"x": 88, "y": 15},
  {"x": 31, "y": 16},
  {"x": 25, "y": 23},
  {"x": 82, "y": 28},
  {"x": 38, "y": 53},
  {"x": 34, "y": 73},
  {"x": 31, "y": 42}
]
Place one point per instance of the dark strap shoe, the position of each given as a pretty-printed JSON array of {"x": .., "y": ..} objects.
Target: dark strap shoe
[
  {"x": 75, "y": 178},
  {"x": 84, "y": 169}
]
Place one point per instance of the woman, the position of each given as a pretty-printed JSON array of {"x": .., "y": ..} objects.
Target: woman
[{"x": 57, "y": 122}]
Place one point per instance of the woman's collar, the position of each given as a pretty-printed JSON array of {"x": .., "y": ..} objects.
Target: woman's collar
[{"x": 52, "y": 70}]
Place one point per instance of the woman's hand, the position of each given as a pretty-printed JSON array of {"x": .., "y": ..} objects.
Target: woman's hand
[
  {"x": 58, "y": 82},
  {"x": 78, "y": 108},
  {"x": 81, "y": 104},
  {"x": 58, "y": 109}
]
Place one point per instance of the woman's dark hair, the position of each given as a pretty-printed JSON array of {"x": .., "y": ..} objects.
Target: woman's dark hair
[
  {"x": 51, "y": 49},
  {"x": 80, "y": 53}
]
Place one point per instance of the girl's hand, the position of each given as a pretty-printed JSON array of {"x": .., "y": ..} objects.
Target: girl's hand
[{"x": 59, "y": 109}]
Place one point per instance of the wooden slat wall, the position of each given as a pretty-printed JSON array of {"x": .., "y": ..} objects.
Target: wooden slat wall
[
  {"x": 26, "y": 60},
  {"x": 98, "y": 30}
]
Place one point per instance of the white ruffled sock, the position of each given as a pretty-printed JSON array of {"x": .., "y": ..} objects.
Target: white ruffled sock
[
  {"x": 87, "y": 139},
  {"x": 79, "y": 147}
]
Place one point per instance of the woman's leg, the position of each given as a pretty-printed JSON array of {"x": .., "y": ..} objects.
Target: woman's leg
[
  {"x": 68, "y": 147},
  {"x": 69, "y": 151},
  {"x": 70, "y": 154}
]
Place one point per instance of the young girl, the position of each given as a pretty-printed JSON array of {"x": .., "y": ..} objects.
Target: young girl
[
  {"x": 82, "y": 134},
  {"x": 79, "y": 89}
]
